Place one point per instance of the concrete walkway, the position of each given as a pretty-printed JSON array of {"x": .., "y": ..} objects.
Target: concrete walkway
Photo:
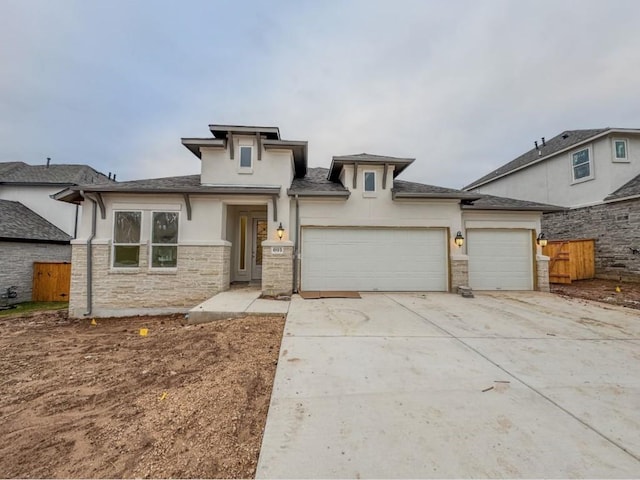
[
  {"x": 436, "y": 386},
  {"x": 237, "y": 302}
]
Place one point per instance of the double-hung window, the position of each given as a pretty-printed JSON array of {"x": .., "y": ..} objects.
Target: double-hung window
[
  {"x": 126, "y": 239},
  {"x": 581, "y": 165},
  {"x": 164, "y": 240}
]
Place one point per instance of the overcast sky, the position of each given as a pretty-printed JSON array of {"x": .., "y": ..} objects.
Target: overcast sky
[{"x": 462, "y": 86}]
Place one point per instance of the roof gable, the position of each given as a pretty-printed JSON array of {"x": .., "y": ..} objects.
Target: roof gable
[
  {"x": 557, "y": 144},
  {"x": 55, "y": 174},
  {"x": 338, "y": 163}
]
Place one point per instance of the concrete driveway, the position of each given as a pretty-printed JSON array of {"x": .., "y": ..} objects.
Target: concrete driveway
[{"x": 435, "y": 385}]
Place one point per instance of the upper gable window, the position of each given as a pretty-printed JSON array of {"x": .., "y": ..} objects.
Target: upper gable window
[
  {"x": 620, "y": 150},
  {"x": 369, "y": 182},
  {"x": 246, "y": 154},
  {"x": 581, "y": 165}
]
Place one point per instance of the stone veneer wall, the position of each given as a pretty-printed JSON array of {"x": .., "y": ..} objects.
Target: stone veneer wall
[
  {"x": 542, "y": 273},
  {"x": 277, "y": 268},
  {"x": 459, "y": 273},
  {"x": 202, "y": 272},
  {"x": 16, "y": 264},
  {"x": 615, "y": 228}
]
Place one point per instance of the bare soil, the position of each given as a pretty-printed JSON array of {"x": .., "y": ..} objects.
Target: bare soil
[
  {"x": 602, "y": 291},
  {"x": 101, "y": 401}
]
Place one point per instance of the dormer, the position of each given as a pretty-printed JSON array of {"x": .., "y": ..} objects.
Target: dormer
[
  {"x": 248, "y": 155},
  {"x": 370, "y": 176}
]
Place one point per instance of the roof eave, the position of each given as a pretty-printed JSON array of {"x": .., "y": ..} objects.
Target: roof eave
[
  {"x": 220, "y": 131},
  {"x": 337, "y": 163},
  {"x": 195, "y": 144},
  {"x": 546, "y": 157},
  {"x": 516, "y": 209},
  {"x": 313, "y": 193},
  {"x": 442, "y": 196},
  {"x": 68, "y": 196}
]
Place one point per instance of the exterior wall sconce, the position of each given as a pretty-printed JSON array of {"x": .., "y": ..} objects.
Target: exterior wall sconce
[
  {"x": 280, "y": 231},
  {"x": 459, "y": 240},
  {"x": 542, "y": 240}
]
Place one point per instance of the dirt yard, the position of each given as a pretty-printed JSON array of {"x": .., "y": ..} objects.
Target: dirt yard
[
  {"x": 101, "y": 401},
  {"x": 602, "y": 291}
]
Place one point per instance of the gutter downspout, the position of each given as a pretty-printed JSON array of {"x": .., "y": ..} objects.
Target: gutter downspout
[
  {"x": 296, "y": 257},
  {"x": 94, "y": 212}
]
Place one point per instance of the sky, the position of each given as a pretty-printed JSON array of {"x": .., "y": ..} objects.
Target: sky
[{"x": 461, "y": 86}]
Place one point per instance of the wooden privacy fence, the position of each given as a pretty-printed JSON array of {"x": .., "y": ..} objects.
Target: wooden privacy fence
[
  {"x": 51, "y": 282},
  {"x": 570, "y": 260}
]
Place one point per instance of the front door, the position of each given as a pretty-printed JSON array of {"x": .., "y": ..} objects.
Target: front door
[{"x": 259, "y": 236}]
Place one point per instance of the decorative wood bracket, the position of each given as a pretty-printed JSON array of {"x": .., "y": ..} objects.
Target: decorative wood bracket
[
  {"x": 230, "y": 144},
  {"x": 355, "y": 175},
  {"x": 384, "y": 176},
  {"x": 259, "y": 143},
  {"x": 274, "y": 199},
  {"x": 103, "y": 211},
  {"x": 187, "y": 202}
]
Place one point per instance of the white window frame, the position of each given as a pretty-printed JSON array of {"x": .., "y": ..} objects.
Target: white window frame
[
  {"x": 242, "y": 169},
  {"x": 591, "y": 175},
  {"x": 365, "y": 192},
  {"x": 152, "y": 244},
  {"x": 614, "y": 152},
  {"x": 114, "y": 244}
]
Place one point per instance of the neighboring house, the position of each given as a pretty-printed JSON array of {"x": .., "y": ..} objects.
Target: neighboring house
[
  {"x": 257, "y": 213},
  {"x": 25, "y": 238},
  {"x": 596, "y": 175},
  {"x": 33, "y": 185}
]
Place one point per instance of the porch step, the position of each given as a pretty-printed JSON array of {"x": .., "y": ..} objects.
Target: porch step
[{"x": 236, "y": 303}]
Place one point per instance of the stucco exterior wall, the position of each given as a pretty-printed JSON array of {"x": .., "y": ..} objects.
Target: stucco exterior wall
[
  {"x": 62, "y": 215},
  {"x": 551, "y": 181},
  {"x": 615, "y": 228},
  {"x": 275, "y": 168},
  {"x": 202, "y": 271},
  {"x": 16, "y": 264}
]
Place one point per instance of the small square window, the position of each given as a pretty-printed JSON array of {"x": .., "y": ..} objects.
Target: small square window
[
  {"x": 581, "y": 165},
  {"x": 369, "y": 181},
  {"x": 620, "y": 153},
  {"x": 245, "y": 157}
]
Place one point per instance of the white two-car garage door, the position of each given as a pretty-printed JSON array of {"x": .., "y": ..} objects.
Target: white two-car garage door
[
  {"x": 370, "y": 259},
  {"x": 500, "y": 259}
]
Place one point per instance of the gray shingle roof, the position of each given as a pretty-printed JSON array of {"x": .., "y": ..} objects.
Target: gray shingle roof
[
  {"x": 17, "y": 222},
  {"x": 491, "y": 202},
  {"x": 316, "y": 181},
  {"x": 629, "y": 189},
  {"x": 53, "y": 174},
  {"x": 6, "y": 166},
  {"x": 402, "y": 186},
  {"x": 558, "y": 143}
]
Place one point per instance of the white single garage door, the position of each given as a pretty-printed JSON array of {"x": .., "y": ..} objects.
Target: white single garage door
[
  {"x": 500, "y": 259},
  {"x": 369, "y": 259}
]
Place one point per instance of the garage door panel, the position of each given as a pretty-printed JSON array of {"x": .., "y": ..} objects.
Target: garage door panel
[
  {"x": 500, "y": 259},
  {"x": 373, "y": 259}
]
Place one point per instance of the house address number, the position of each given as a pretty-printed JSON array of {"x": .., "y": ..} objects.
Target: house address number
[{"x": 277, "y": 250}]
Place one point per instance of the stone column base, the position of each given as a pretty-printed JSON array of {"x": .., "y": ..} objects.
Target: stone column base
[
  {"x": 542, "y": 268},
  {"x": 459, "y": 272},
  {"x": 277, "y": 268}
]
